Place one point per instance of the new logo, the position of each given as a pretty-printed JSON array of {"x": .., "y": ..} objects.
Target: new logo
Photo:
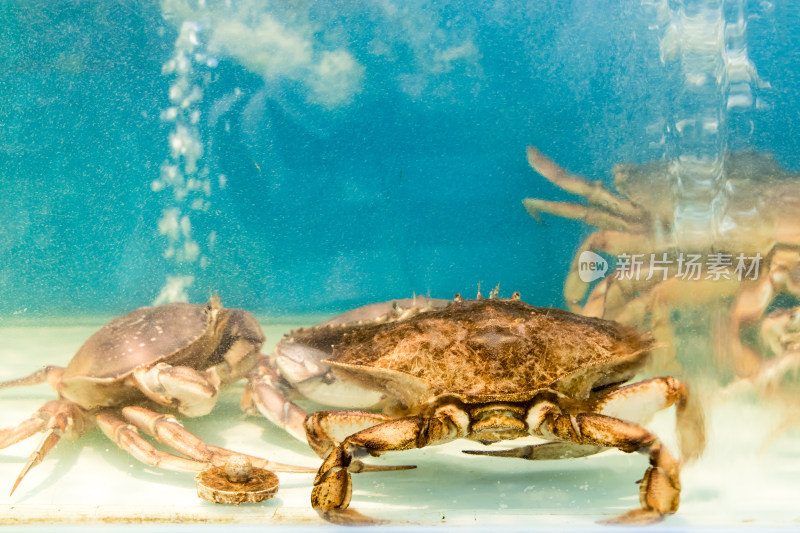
[{"x": 591, "y": 266}]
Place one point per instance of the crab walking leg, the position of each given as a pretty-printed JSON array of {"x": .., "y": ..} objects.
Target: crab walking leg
[
  {"x": 58, "y": 417},
  {"x": 333, "y": 486},
  {"x": 51, "y": 374},
  {"x": 601, "y": 299},
  {"x": 21, "y": 431},
  {"x": 638, "y": 402},
  {"x": 127, "y": 437},
  {"x": 169, "y": 431},
  {"x": 659, "y": 491},
  {"x": 664, "y": 355},
  {"x": 61, "y": 419},
  {"x": 594, "y": 191},
  {"x": 612, "y": 242},
  {"x": 191, "y": 392},
  {"x": 591, "y": 215},
  {"x": 264, "y": 394},
  {"x": 615, "y": 292}
]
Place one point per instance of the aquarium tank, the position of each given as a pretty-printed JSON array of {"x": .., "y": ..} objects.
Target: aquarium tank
[{"x": 245, "y": 168}]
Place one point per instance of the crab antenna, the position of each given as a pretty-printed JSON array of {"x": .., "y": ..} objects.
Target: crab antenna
[
  {"x": 50, "y": 439},
  {"x": 47, "y": 373}
]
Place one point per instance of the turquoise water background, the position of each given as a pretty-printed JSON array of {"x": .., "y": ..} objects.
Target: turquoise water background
[{"x": 411, "y": 184}]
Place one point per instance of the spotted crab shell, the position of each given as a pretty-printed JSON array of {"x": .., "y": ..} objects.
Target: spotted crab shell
[{"x": 177, "y": 333}]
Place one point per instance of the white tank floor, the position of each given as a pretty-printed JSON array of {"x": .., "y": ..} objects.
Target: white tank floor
[{"x": 735, "y": 484}]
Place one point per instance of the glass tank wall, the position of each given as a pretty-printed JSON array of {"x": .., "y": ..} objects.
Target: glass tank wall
[{"x": 301, "y": 159}]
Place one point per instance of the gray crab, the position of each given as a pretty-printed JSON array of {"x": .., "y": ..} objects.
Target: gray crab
[
  {"x": 175, "y": 356},
  {"x": 422, "y": 372}
]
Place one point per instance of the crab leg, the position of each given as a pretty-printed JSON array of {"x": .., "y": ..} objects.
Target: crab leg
[
  {"x": 594, "y": 191},
  {"x": 613, "y": 293},
  {"x": 591, "y": 215},
  {"x": 127, "y": 437},
  {"x": 638, "y": 402},
  {"x": 582, "y": 433},
  {"x": 21, "y": 431},
  {"x": 51, "y": 374},
  {"x": 169, "y": 431},
  {"x": 264, "y": 394},
  {"x": 611, "y": 297},
  {"x": 61, "y": 418},
  {"x": 612, "y": 242},
  {"x": 659, "y": 492}
]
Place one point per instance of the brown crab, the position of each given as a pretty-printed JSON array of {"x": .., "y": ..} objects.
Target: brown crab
[
  {"x": 175, "y": 356},
  {"x": 759, "y": 223},
  {"x": 487, "y": 370},
  {"x": 759, "y": 214}
]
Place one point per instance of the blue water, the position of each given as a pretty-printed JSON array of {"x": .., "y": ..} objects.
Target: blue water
[{"x": 411, "y": 182}]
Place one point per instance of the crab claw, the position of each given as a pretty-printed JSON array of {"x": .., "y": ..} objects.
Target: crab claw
[{"x": 332, "y": 486}]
